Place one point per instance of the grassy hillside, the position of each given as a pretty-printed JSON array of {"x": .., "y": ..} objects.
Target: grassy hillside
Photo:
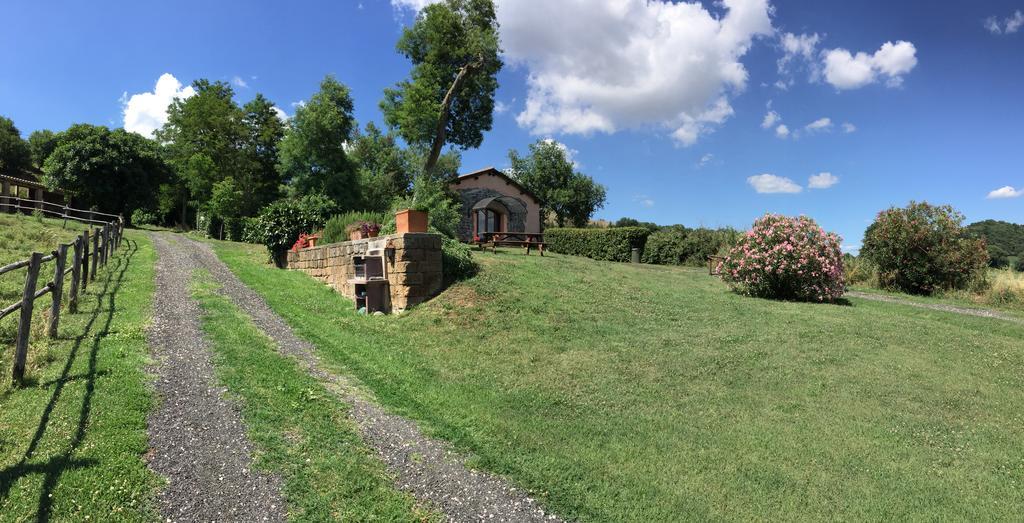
[
  {"x": 71, "y": 441},
  {"x": 621, "y": 392}
]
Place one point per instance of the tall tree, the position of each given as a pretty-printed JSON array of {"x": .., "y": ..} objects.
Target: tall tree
[
  {"x": 264, "y": 133},
  {"x": 113, "y": 171},
  {"x": 204, "y": 135},
  {"x": 14, "y": 151},
  {"x": 549, "y": 174},
  {"x": 449, "y": 96},
  {"x": 41, "y": 143},
  {"x": 312, "y": 157},
  {"x": 382, "y": 167}
]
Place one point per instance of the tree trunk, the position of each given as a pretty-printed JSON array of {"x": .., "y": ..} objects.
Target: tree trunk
[
  {"x": 184, "y": 212},
  {"x": 440, "y": 134}
]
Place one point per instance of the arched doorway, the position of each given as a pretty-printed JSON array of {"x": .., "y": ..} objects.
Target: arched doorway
[{"x": 489, "y": 215}]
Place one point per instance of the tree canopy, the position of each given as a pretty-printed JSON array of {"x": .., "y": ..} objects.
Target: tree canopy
[
  {"x": 382, "y": 167},
  {"x": 113, "y": 171},
  {"x": 546, "y": 171},
  {"x": 1004, "y": 239},
  {"x": 313, "y": 157},
  {"x": 14, "y": 151},
  {"x": 449, "y": 96},
  {"x": 41, "y": 143}
]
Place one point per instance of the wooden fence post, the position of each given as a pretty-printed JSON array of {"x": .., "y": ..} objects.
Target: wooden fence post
[
  {"x": 95, "y": 255},
  {"x": 85, "y": 260},
  {"x": 57, "y": 292},
  {"x": 76, "y": 273},
  {"x": 25, "y": 323}
]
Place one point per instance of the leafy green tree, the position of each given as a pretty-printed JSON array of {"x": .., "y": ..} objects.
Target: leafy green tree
[
  {"x": 113, "y": 171},
  {"x": 449, "y": 96},
  {"x": 1005, "y": 236},
  {"x": 264, "y": 133},
  {"x": 226, "y": 202},
  {"x": 312, "y": 158},
  {"x": 41, "y": 143},
  {"x": 572, "y": 196},
  {"x": 14, "y": 152},
  {"x": 204, "y": 135},
  {"x": 382, "y": 167}
]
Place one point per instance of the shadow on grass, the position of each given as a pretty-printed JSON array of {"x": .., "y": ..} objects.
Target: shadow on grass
[{"x": 95, "y": 328}]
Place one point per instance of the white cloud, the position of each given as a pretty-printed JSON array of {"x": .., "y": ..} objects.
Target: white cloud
[
  {"x": 822, "y": 181},
  {"x": 644, "y": 200},
  {"x": 238, "y": 81},
  {"x": 414, "y": 5},
  {"x": 1006, "y": 192},
  {"x": 770, "y": 119},
  {"x": 782, "y": 131},
  {"x": 500, "y": 107},
  {"x": 606, "y": 65},
  {"x": 849, "y": 127},
  {"x": 821, "y": 124},
  {"x": 1010, "y": 25},
  {"x": 847, "y": 71},
  {"x": 147, "y": 112},
  {"x": 570, "y": 153},
  {"x": 770, "y": 184},
  {"x": 283, "y": 116},
  {"x": 798, "y": 48},
  {"x": 705, "y": 160}
]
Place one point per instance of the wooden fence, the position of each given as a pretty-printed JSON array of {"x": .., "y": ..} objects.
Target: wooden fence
[{"x": 88, "y": 254}]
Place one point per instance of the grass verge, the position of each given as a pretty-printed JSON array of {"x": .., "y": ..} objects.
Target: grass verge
[
  {"x": 618, "y": 392},
  {"x": 72, "y": 440},
  {"x": 299, "y": 428}
]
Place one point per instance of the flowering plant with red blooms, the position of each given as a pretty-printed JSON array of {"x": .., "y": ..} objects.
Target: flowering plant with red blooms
[
  {"x": 369, "y": 228},
  {"x": 302, "y": 242},
  {"x": 786, "y": 258}
]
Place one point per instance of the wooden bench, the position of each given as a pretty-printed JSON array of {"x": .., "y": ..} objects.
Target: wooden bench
[{"x": 512, "y": 239}]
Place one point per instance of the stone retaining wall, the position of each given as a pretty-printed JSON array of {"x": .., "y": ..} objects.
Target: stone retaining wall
[{"x": 414, "y": 273}]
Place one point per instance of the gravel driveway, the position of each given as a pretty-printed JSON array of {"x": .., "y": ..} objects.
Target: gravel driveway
[
  {"x": 196, "y": 436},
  {"x": 427, "y": 468}
]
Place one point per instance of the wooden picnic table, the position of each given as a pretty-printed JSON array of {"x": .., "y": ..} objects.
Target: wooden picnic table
[{"x": 528, "y": 240}]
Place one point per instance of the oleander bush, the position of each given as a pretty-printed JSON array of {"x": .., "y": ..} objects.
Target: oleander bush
[
  {"x": 279, "y": 224},
  {"x": 923, "y": 248},
  {"x": 786, "y": 258},
  {"x": 612, "y": 244}
]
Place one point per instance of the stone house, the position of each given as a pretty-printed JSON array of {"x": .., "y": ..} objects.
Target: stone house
[{"x": 494, "y": 202}]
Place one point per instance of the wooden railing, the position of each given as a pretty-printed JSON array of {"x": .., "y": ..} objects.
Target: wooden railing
[
  {"x": 56, "y": 210},
  {"x": 89, "y": 253}
]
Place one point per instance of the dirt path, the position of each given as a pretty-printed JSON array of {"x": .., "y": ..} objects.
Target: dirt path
[
  {"x": 197, "y": 439},
  {"x": 427, "y": 468},
  {"x": 967, "y": 311}
]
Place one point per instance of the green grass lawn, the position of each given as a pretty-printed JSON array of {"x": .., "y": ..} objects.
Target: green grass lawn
[
  {"x": 300, "y": 429},
  {"x": 72, "y": 440},
  {"x": 624, "y": 392}
]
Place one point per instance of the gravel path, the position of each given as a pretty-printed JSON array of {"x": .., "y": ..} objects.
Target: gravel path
[
  {"x": 427, "y": 468},
  {"x": 967, "y": 311},
  {"x": 196, "y": 436}
]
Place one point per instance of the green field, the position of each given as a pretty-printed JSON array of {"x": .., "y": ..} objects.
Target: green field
[
  {"x": 622, "y": 392},
  {"x": 72, "y": 439}
]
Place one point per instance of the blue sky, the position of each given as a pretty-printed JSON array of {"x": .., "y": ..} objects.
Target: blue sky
[{"x": 938, "y": 117}]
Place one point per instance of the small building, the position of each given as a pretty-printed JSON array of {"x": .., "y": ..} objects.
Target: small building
[
  {"x": 494, "y": 202},
  {"x": 27, "y": 184}
]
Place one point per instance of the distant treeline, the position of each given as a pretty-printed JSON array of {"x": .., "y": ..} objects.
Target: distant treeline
[{"x": 1005, "y": 240}]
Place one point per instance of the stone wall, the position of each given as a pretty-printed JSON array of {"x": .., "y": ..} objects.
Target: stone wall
[{"x": 414, "y": 273}]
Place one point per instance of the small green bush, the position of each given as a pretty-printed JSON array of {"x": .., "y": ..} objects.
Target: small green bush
[
  {"x": 336, "y": 229},
  {"x": 143, "y": 217},
  {"x": 859, "y": 270},
  {"x": 250, "y": 230},
  {"x": 666, "y": 246},
  {"x": 1020, "y": 264},
  {"x": 923, "y": 248},
  {"x": 456, "y": 261},
  {"x": 279, "y": 224},
  {"x": 612, "y": 244}
]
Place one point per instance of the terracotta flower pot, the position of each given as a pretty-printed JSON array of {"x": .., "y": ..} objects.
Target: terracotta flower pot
[
  {"x": 411, "y": 221},
  {"x": 355, "y": 235}
]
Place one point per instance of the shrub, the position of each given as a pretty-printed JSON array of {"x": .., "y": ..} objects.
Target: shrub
[
  {"x": 613, "y": 244},
  {"x": 336, "y": 229},
  {"x": 923, "y": 248},
  {"x": 444, "y": 211},
  {"x": 1020, "y": 264},
  {"x": 859, "y": 270},
  {"x": 279, "y": 224},
  {"x": 143, "y": 217},
  {"x": 456, "y": 261},
  {"x": 786, "y": 258},
  {"x": 666, "y": 246},
  {"x": 700, "y": 244},
  {"x": 250, "y": 230}
]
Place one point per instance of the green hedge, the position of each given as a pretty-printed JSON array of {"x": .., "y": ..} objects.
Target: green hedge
[{"x": 613, "y": 244}]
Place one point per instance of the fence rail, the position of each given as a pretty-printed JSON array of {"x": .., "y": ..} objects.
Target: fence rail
[
  {"x": 83, "y": 265},
  {"x": 57, "y": 210}
]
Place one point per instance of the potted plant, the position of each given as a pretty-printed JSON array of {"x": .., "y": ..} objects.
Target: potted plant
[
  {"x": 411, "y": 220},
  {"x": 369, "y": 229},
  {"x": 312, "y": 239},
  {"x": 355, "y": 231}
]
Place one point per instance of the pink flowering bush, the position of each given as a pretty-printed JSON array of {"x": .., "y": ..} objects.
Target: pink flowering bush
[{"x": 786, "y": 258}]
